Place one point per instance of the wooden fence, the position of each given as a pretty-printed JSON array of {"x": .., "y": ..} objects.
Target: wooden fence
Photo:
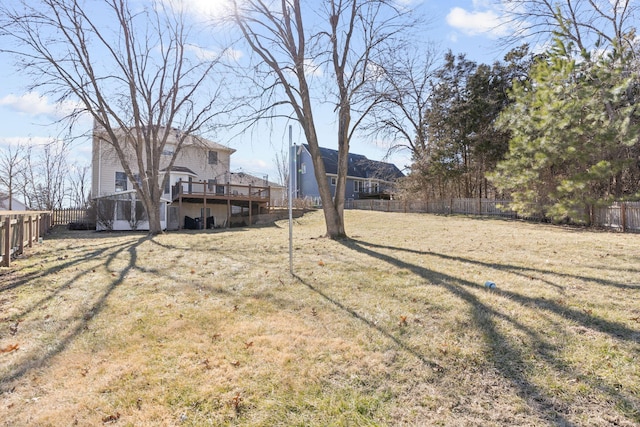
[
  {"x": 623, "y": 216},
  {"x": 69, "y": 215},
  {"x": 19, "y": 229}
]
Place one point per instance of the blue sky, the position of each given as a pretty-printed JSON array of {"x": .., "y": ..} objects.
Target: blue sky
[{"x": 464, "y": 26}]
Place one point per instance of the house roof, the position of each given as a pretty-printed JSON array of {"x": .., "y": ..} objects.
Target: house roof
[
  {"x": 192, "y": 140},
  {"x": 15, "y": 204},
  {"x": 181, "y": 169},
  {"x": 359, "y": 166},
  {"x": 243, "y": 178}
]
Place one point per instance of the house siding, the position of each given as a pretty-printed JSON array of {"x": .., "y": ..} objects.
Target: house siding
[
  {"x": 193, "y": 156},
  {"x": 307, "y": 184},
  {"x": 106, "y": 164}
]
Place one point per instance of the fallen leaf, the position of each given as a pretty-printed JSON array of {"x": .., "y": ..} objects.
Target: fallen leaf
[
  {"x": 10, "y": 348},
  {"x": 111, "y": 418}
]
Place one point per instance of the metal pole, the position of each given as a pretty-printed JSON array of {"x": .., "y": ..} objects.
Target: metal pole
[{"x": 292, "y": 162}]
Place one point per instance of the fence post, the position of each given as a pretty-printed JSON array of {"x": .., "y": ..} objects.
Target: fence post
[
  {"x": 30, "y": 231},
  {"x": 6, "y": 258},
  {"x": 623, "y": 216},
  {"x": 20, "y": 227}
]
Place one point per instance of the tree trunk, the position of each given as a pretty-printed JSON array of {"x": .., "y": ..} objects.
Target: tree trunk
[{"x": 155, "y": 226}]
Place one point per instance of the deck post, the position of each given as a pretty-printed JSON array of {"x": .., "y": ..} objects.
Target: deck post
[
  {"x": 228, "y": 205},
  {"x": 250, "y": 212},
  {"x": 203, "y": 221}
]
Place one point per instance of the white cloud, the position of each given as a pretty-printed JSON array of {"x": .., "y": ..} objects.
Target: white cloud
[
  {"x": 206, "y": 9},
  {"x": 35, "y": 104},
  {"x": 311, "y": 68},
  {"x": 212, "y": 55},
  {"x": 25, "y": 141},
  {"x": 487, "y": 22}
]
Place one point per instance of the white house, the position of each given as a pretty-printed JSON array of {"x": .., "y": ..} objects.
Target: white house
[{"x": 199, "y": 193}]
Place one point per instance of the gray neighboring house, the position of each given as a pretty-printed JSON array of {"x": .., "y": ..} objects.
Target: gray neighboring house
[
  {"x": 15, "y": 204},
  {"x": 366, "y": 179}
]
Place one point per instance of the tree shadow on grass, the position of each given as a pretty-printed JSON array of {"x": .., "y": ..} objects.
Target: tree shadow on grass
[
  {"x": 40, "y": 356},
  {"x": 505, "y": 354},
  {"x": 436, "y": 367},
  {"x": 511, "y": 268}
]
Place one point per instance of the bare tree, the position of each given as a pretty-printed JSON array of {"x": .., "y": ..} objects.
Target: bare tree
[
  {"x": 296, "y": 40},
  {"x": 403, "y": 88},
  {"x": 53, "y": 170},
  {"x": 589, "y": 24},
  {"x": 281, "y": 161},
  {"x": 79, "y": 183},
  {"x": 131, "y": 69},
  {"x": 12, "y": 164}
]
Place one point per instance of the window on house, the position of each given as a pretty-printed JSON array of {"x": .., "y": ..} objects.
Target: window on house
[
  {"x": 213, "y": 157},
  {"x": 358, "y": 186},
  {"x": 303, "y": 168},
  {"x": 121, "y": 181},
  {"x": 334, "y": 181}
]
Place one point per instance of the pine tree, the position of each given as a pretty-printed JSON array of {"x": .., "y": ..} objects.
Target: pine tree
[{"x": 574, "y": 129}]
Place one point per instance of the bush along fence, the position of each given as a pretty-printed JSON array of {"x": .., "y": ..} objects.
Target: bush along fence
[
  {"x": 19, "y": 229},
  {"x": 622, "y": 216}
]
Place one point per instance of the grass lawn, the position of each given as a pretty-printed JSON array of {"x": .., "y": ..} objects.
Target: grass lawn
[{"x": 391, "y": 327}]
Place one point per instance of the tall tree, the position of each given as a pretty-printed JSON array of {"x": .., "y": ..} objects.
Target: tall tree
[
  {"x": 342, "y": 39},
  {"x": 574, "y": 131},
  {"x": 403, "y": 88},
  {"x": 129, "y": 66},
  {"x": 585, "y": 24},
  {"x": 79, "y": 185},
  {"x": 462, "y": 143},
  {"x": 49, "y": 175},
  {"x": 13, "y": 161}
]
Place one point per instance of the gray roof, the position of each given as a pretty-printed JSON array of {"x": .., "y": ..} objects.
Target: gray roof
[{"x": 359, "y": 166}]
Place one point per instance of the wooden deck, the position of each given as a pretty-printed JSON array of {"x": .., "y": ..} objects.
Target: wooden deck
[{"x": 253, "y": 198}]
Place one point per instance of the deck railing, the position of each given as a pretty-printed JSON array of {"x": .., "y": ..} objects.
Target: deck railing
[
  {"x": 212, "y": 190},
  {"x": 19, "y": 229}
]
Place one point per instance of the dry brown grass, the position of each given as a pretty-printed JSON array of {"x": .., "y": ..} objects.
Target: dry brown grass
[{"x": 392, "y": 327}]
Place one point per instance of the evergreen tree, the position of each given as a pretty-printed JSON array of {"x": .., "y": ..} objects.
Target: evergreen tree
[{"x": 574, "y": 132}]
